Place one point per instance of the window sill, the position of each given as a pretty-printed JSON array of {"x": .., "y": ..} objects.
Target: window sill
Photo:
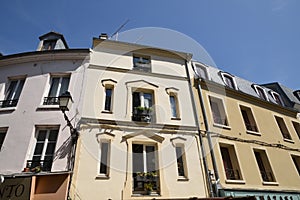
[
  {"x": 182, "y": 178},
  {"x": 270, "y": 183},
  {"x": 288, "y": 140},
  {"x": 235, "y": 181},
  {"x": 253, "y": 133},
  {"x": 175, "y": 118},
  {"x": 107, "y": 112},
  {"x": 222, "y": 126},
  {"x": 8, "y": 109},
  {"x": 48, "y": 107},
  {"x": 102, "y": 177}
]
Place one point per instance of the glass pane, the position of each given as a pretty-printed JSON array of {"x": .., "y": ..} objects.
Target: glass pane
[
  {"x": 150, "y": 158},
  {"x": 11, "y": 89},
  {"x": 64, "y": 85},
  {"x": 19, "y": 89},
  {"x": 147, "y": 100},
  {"x": 54, "y": 87},
  {"x": 173, "y": 106},
  {"x": 104, "y": 158},
  {"x": 53, "y": 135},
  {"x": 108, "y": 93},
  {"x": 180, "y": 167},
  {"x": 137, "y": 158},
  {"x": 38, "y": 148},
  {"x": 2, "y": 136},
  {"x": 50, "y": 148},
  {"x": 42, "y": 135}
]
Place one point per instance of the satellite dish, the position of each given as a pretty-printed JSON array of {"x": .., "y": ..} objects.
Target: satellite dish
[{"x": 1, "y": 178}]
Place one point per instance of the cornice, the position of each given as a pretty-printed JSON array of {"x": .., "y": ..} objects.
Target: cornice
[{"x": 64, "y": 54}]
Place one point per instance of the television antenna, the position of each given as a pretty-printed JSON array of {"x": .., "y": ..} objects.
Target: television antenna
[{"x": 116, "y": 33}]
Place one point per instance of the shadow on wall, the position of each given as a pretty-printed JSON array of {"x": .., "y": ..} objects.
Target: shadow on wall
[{"x": 64, "y": 151}]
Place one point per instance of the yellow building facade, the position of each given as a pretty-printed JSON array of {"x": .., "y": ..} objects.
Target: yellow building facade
[{"x": 251, "y": 133}]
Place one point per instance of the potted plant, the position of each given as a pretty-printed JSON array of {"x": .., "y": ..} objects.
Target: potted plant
[{"x": 149, "y": 187}]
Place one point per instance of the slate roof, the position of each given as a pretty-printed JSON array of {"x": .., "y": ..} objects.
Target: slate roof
[{"x": 247, "y": 87}]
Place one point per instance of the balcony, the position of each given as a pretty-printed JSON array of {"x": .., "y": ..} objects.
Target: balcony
[
  {"x": 232, "y": 174},
  {"x": 9, "y": 103},
  {"x": 51, "y": 101},
  {"x": 142, "y": 114},
  {"x": 145, "y": 182},
  {"x": 42, "y": 165}
]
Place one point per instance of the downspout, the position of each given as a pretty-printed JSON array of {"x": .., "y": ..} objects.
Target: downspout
[
  {"x": 209, "y": 183},
  {"x": 208, "y": 132}
]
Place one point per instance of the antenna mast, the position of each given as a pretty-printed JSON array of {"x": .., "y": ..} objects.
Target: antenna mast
[{"x": 117, "y": 31}]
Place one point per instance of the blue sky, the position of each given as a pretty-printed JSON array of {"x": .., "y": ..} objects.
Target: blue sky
[{"x": 257, "y": 40}]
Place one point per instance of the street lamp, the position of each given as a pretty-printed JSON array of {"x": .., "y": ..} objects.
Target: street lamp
[{"x": 65, "y": 101}]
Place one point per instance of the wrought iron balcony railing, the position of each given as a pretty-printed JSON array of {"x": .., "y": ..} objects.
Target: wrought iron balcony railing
[
  {"x": 51, "y": 101},
  {"x": 9, "y": 103},
  {"x": 44, "y": 165},
  {"x": 145, "y": 182},
  {"x": 142, "y": 114}
]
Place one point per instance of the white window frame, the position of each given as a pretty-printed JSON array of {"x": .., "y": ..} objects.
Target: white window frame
[
  {"x": 141, "y": 66},
  {"x": 59, "y": 84},
  {"x": 46, "y": 141},
  {"x": 204, "y": 68},
  {"x": 256, "y": 88},
  {"x": 273, "y": 94},
  {"x": 183, "y": 158},
  {"x": 173, "y": 92},
  {"x": 220, "y": 104},
  {"x": 108, "y": 84},
  {"x": 225, "y": 75}
]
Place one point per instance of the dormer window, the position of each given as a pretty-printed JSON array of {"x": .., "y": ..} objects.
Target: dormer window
[
  {"x": 142, "y": 63},
  {"x": 261, "y": 92},
  {"x": 297, "y": 94},
  {"x": 229, "y": 80},
  {"x": 201, "y": 71},
  {"x": 277, "y": 98},
  {"x": 48, "y": 45}
]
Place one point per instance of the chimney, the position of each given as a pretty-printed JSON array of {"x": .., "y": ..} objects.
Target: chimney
[{"x": 103, "y": 36}]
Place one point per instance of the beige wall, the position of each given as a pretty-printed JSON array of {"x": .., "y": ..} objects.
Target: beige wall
[{"x": 283, "y": 168}]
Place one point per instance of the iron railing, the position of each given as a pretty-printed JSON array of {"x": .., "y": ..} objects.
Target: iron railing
[
  {"x": 44, "y": 165},
  {"x": 142, "y": 114},
  {"x": 51, "y": 101},
  {"x": 9, "y": 103}
]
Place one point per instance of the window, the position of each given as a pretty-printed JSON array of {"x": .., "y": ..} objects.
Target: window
[
  {"x": 58, "y": 85},
  {"x": 48, "y": 44},
  {"x": 44, "y": 149},
  {"x": 142, "y": 106},
  {"x": 228, "y": 79},
  {"x": 13, "y": 93},
  {"x": 108, "y": 98},
  {"x": 296, "y": 160},
  {"x": 248, "y": 119},
  {"x": 104, "y": 158},
  {"x": 261, "y": 92},
  {"x": 142, "y": 63},
  {"x": 264, "y": 166},
  {"x": 284, "y": 131},
  {"x": 230, "y": 162},
  {"x": 180, "y": 156},
  {"x": 2, "y": 136},
  {"x": 144, "y": 165},
  {"x": 174, "y": 106},
  {"x": 218, "y": 111},
  {"x": 297, "y": 128},
  {"x": 201, "y": 71},
  {"x": 297, "y": 94},
  {"x": 277, "y": 98}
]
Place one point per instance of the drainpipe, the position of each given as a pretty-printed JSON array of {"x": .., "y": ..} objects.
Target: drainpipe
[
  {"x": 208, "y": 178},
  {"x": 212, "y": 154}
]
